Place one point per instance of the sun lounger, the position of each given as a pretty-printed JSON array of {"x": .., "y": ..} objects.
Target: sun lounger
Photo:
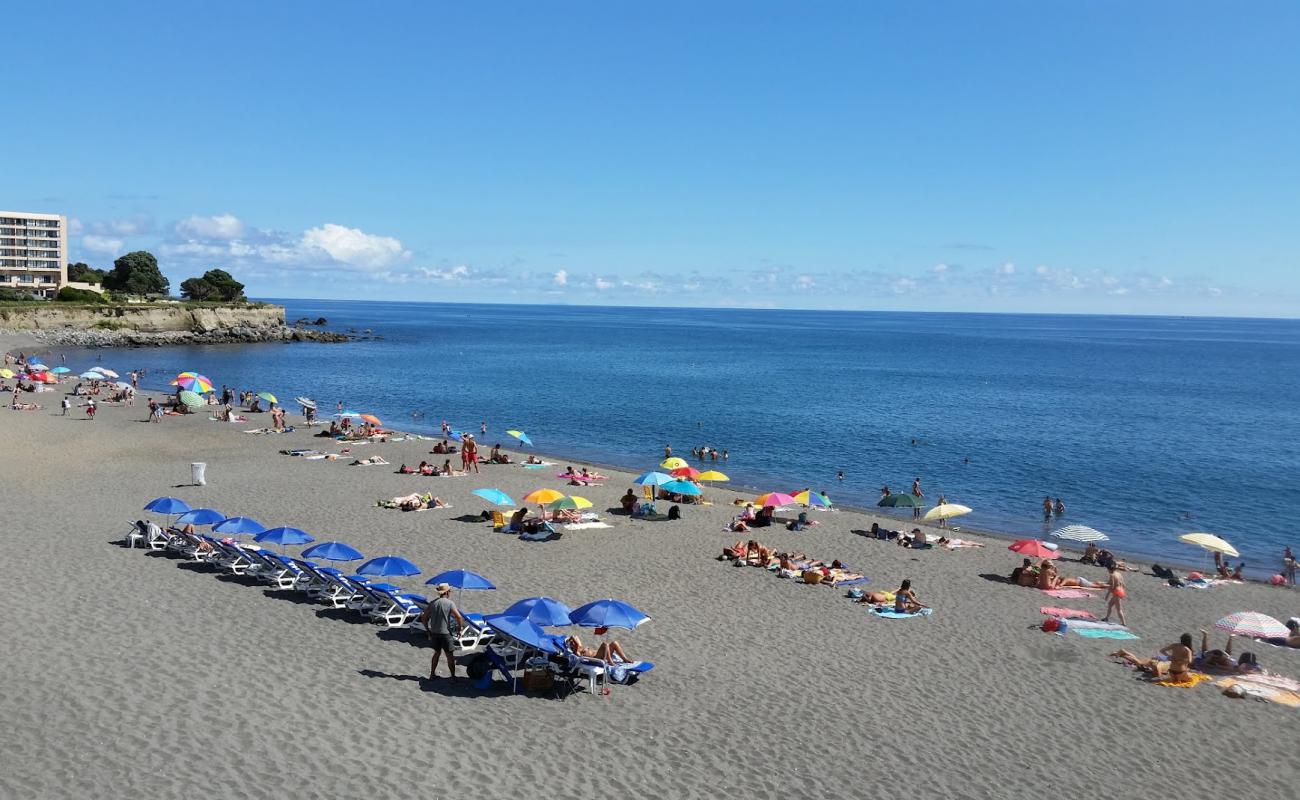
[
  {"x": 338, "y": 590},
  {"x": 398, "y": 610}
]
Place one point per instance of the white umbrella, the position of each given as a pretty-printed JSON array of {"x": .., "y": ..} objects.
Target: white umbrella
[
  {"x": 1253, "y": 625},
  {"x": 1080, "y": 533},
  {"x": 946, "y": 511},
  {"x": 105, "y": 372}
]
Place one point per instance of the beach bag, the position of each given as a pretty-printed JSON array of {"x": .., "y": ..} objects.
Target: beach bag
[
  {"x": 1051, "y": 625},
  {"x": 812, "y": 576}
]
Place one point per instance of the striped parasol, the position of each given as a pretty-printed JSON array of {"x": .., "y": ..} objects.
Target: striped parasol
[
  {"x": 1254, "y": 625},
  {"x": 1080, "y": 533}
]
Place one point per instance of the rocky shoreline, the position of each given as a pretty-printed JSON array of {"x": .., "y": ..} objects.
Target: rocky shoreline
[{"x": 244, "y": 334}]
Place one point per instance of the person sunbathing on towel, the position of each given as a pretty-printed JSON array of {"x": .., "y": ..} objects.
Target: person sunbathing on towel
[
  {"x": 875, "y": 598},
  {"x": 905, "y": 601},
  {"x": 1178, "y": 666},
  {"x": 737, "y": 525},
  {"x": 368, "y": 462},
  {"x": 565, "y": 515},
  {"x": 405, "y": 470},
  {"x": 1221, "y": 660},
  {"x": 533, "y": 460},
  {"x": 1292, "y": 639},
  {"x": 607, "y": 651},
  {"x": 757, "y": 555}
]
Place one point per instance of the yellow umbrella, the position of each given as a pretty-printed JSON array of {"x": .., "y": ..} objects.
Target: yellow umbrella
[
  {"x": 673, "y": 463},
  {"x": 6, "y": 373},
  {"x": 946, "y": 511},
  {"x": 711, "y": 475},
  {"x": 543, "y": 496},
  {"x": 570, "y": 502},
  {"x": 1210, "y": 542}
]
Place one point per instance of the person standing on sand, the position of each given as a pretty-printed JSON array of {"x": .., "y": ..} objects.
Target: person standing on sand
[
  {"x": 90, "y": 408},
  {"x": 1115, "y": 594},
  {"x": 66, "y": 405},
  {"x": 437, "y": 617}
]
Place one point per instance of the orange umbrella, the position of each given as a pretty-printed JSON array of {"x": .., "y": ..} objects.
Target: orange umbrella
[
  {"x": 372, "y": 419},
  {"x": 1033, "y": 548},
  {"x": 685, "y": 472}
]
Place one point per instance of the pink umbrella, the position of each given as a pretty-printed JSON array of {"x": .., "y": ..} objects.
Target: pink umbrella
[
  {"x": 1033, "y": 548},
  {"x": 775, "y": 499}
]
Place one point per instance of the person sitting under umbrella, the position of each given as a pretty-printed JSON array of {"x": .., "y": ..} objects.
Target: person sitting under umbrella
[
  {"x": 607, "y": 651},
  {"x": 1222, "y": 661}
]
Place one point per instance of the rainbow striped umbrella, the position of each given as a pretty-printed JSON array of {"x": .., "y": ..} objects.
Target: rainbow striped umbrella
[
  {"x": 810, "y": 499},
  {"x": 1254, "y": 625},
  {"x": 193, "y": 382}
]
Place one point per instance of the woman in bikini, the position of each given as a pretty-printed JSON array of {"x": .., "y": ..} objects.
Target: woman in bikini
[
  {"x": 1178, "y": 666},
  {"x": 905, "y": 601},
  {"x": 607, "y": 651},
  {"x": 1115, "y": 594}
]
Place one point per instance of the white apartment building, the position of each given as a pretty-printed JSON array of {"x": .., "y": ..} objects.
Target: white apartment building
[{"x": 33, "y": 252}]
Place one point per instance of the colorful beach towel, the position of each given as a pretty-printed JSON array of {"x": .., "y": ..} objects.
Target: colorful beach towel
[
  {"x": 889, "y": 613},
  {"x": 1103, "y": 633},
  {"x": 1261, "y": 691},
  {"x": 1192, "y": 679},
  {"x": 1067, "y": 594},
  {"x": 1066, "y": 613}
]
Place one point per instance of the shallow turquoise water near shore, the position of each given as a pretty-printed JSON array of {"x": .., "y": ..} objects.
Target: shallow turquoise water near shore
[{"x": 1146, "y": 427}]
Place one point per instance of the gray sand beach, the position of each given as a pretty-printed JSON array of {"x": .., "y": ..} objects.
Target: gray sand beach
[{"x": 132, "y": 674}]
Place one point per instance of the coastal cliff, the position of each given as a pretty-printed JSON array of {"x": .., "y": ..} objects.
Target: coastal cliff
[{"x": 155, "y": 324}]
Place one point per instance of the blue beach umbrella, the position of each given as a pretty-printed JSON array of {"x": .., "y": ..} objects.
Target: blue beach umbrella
[
  {"x": 608, "y": 613},
  {"x": 461, "y": 579},
  {"x": 167, "y": 505},
  {"x": 681, "y": 487},
  {"x": 653, "y": 479},
  {"x": 386, "y": 566},
  {"x": 60, "y": 370},
  {"x": 237, "y": 525},
  {"x": 200, "y": 516},
  {"x": 284, "y": 535},
  {"x": 495, "y": 496},
  {"x": 333, "y": 551},
  {"x": 455, "y": 437},
  {"x": 524, "y": 631},
  {"x": 541, "y": 610}
]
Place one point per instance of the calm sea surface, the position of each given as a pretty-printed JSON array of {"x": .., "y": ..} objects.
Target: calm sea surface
[{"x": 1145, "y": 427}]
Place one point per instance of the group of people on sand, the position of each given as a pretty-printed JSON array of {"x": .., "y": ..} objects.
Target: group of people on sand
[
  {"x": 792, "y": 564},
  {"x": 1176, "y": 661},
  {"x": 1046, "y": 576},
  {"x": 413, "y": 502},
  {"x": 426, "y": 468},
  {"x": 749, "y": 517}
]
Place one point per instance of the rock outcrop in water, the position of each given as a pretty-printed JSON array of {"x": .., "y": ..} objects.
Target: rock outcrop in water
[{"x": 157, "y": 325}]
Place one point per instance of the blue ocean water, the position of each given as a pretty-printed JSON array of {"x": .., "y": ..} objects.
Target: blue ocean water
[{"x": 1146, "y": 427}]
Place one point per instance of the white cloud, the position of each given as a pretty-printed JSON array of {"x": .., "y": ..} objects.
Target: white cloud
[
  {"x": 804, "y": 282},
  {"x": 104, "y": 245},
  {"x": 940, "y": 269},
  {"x": 1008, "y": 269},
  {"x": 902, "y": 285},
  {"x": 354, "y": 247},
  {"x": 222, "y": 227},
  {"x": 457, "y": 273},
  {"x": 560, "y": 278},
  {"x": 603, "y": 285}
]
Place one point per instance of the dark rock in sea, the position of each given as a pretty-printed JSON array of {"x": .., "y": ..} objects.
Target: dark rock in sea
[{"x": 321, "y": 321}]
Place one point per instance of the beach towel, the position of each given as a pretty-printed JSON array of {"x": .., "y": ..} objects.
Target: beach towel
[
  {"x": 1102, "y": 633},
  {"x": 582, "y": 526},
  {"x": 1260, "y": 691},
  {"x": 1192, "y": 679},
  {"x": 1067, "y": 594},
  {"x": 1066, "y": 613},
  {"x": 853, "y": 582},
  {"x": 889, "y": 613}
]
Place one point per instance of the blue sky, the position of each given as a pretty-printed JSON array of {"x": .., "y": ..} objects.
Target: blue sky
[{"x": 1092, "y": 157}]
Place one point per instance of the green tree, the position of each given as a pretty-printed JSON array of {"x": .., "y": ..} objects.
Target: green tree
[
  {"x": 70, "y": 295},
  {"x": 82, "y": 272},
  {"x": 136, "y": 273},
  {"x": 216, "y": 284}
]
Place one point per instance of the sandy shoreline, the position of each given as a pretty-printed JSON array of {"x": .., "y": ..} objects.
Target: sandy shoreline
[{"x": 130, "y": 674}]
